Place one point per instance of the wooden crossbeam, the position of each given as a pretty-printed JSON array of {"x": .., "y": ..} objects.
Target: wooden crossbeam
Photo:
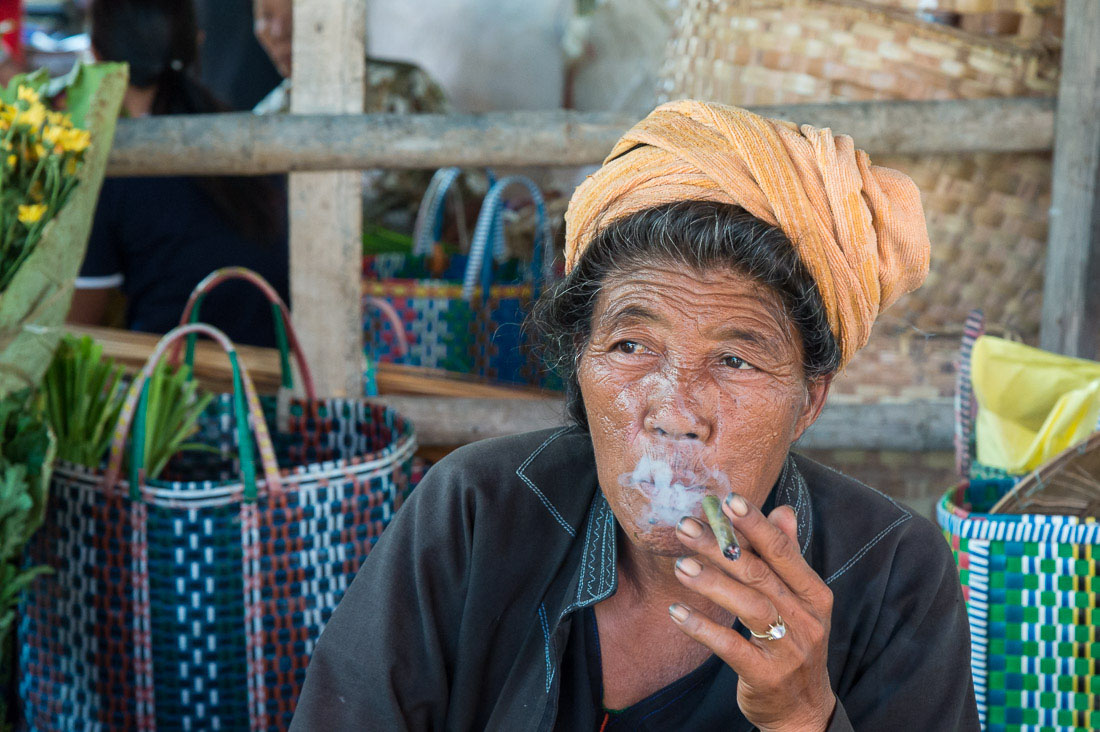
[
  {"x": 248, "y": 144},
  {"x": 918, "y": 425}
]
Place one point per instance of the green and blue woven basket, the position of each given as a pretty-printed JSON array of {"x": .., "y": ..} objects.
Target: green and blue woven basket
[{"x": 1032, "y": 593}]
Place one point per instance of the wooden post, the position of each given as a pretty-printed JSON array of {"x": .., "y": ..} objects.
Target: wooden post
[
  {"x": 1071, "y": 292},
  {"x": 326, "y": 208}
]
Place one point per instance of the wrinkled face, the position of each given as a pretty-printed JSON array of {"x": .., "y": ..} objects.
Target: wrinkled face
[
  {"x": 693, "y": 384},
  {"x": 274, "y": 29}
]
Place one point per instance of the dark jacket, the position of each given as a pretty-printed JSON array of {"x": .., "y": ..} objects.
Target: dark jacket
[{"x": 459, "y": 617}]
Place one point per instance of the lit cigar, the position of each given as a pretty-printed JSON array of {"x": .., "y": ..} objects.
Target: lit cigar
[{"x": 720, "y": 525}]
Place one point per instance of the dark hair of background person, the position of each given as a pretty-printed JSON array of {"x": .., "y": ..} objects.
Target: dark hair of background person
[
  {"x": 701, "y": 235},
  {"x": 159, "y": 40}
]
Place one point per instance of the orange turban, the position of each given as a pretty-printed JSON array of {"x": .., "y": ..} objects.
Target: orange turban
[{"x": 858, "y": 228}]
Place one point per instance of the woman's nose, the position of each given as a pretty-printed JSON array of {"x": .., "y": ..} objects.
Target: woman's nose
[{"x": 677, "y": 421}]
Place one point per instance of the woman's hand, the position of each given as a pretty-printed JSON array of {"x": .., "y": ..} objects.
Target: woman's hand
[{"x": 783, "y": 684}]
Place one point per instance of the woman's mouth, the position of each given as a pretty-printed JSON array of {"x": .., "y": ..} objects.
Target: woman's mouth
[{"x": 672, "y": 489}]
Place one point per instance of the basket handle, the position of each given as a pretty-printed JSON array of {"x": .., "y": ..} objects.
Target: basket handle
[
  {"x": 490, "y": 231},
  {"x": 965, "y": 407},
  {"x": 285, "y": 336},
  {"x": 428, "y": 228},
  {"x": 245, "y": 404},
  {"x": 390, "y": 313}
]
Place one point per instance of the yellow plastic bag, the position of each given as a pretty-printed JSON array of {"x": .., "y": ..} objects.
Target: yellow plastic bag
[{"x": 1031, "y": 404}]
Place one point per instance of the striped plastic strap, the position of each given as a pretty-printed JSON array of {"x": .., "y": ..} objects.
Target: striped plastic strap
[
  {"x": 964, "y": 392},
  {"x": 429, "y": 216},
  {"x": 489, "y": 231}
]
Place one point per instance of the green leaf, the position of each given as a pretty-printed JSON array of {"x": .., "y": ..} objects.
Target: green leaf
[
  {"x": 175, "y": 405},
  {"x": 83, "y": 86},
  {"x": 83, "y": 396},
  {"x": 26, "y": 459},
  {"x": 37, "y": 80}
]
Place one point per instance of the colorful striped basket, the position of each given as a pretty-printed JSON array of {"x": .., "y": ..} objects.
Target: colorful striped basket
[
  {"x": 467, "y": 318},
  {"x": 1032, "y": 589},
  {"x": 194, "y": 602}
]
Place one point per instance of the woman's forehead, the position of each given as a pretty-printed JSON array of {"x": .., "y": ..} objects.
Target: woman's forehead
[{"x": 670, "y": 296}]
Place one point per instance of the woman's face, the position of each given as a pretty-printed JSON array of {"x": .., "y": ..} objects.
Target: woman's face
[
  {"x": 274, "y": 29},
  {"x": 693, "y": 384}
]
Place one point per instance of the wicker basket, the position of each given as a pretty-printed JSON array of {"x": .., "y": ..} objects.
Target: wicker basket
[
  {"x": 1031, "y": 589},
  {"x": 987, "y": 214},
  {"x": 1024, "y": 20}
]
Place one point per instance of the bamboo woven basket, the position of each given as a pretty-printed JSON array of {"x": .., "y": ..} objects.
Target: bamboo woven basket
[
  {"x": 987, "y": 213},
  {"x": 1022, "y": 20}
]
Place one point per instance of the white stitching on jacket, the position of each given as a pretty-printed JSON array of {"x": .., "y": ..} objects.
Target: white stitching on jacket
[{"x": 542, "y": 496}]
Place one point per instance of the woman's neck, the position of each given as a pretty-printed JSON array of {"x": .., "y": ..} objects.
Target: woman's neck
[
  {"x": 138, "y": 101},
  {"x": 651, "y": 580}
]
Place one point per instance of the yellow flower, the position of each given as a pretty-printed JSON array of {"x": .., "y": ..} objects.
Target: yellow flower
[
  {"x": 51, "y": 134},
  {"x": 31, "y": 214},
  {"x": 74, "y": 141},
  {"x": 39, "y": 151},
  {"x": 11, "y": 161},
  {"x": 26, "y": 94},
  {"x": 59, "y": 119},
  {"x": 33, "y": 117}
]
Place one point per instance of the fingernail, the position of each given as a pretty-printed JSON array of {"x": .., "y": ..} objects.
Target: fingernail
[
  {"x": 689, "y": 566},
  {"x": 691, "y": 527},
  {"x": 678, "y": 612},
  {"x": 737, "y": 504}
]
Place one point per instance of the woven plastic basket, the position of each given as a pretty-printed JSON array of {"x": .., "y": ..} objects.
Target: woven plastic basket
[
  {"x": 467, "y": 318},
  {"x": 987, "y": 214},
  {"x": 1032, "y": 590},
  {"x": 194, "y": 601}
]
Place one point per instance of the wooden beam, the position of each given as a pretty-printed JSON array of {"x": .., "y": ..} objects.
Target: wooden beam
[
  {"x": 920, "y": 425},
  {"x": 912, "y": 426},
  {"x": 1071, "y": 290},
  {"x": 326, "y": 208},
  {"x": 131, "y": 349},
  {"x": 457, "y": 421},
  {"x": 247, "y": 144}
]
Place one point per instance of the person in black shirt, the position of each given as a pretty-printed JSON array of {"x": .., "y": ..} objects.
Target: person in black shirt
[
  {"x": 721, "y": 268},
  {"x": 156, "y": 238}
]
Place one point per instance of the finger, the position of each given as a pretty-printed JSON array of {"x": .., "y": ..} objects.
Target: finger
[
  {"x": 739, "y": 654},
  {"x": 749, "y": 569},
  {"x": 777, "y": 548},
  {"x": 785, "y": 520},
  {"x": 753, "y": 607}
]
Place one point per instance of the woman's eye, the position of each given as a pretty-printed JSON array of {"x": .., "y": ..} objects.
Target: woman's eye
[
  {"x": 629, "y": 347},
  {"x": 736, "y": 363}
]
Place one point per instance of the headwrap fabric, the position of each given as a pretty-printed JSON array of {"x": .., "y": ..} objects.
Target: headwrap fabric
[{"x": 858, "y": 228}]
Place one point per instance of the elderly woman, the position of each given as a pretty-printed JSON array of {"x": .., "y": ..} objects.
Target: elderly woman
[{"x": 721, "y": 268}]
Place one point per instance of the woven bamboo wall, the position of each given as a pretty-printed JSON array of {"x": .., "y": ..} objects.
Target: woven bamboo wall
[{"x": 987, "y": 214}]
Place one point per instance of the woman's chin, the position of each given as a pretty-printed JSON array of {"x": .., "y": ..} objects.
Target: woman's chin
[{"x": 658, "y": 540}]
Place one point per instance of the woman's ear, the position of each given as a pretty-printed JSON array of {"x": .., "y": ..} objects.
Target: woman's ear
[{"x": 817, "y": 391}]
